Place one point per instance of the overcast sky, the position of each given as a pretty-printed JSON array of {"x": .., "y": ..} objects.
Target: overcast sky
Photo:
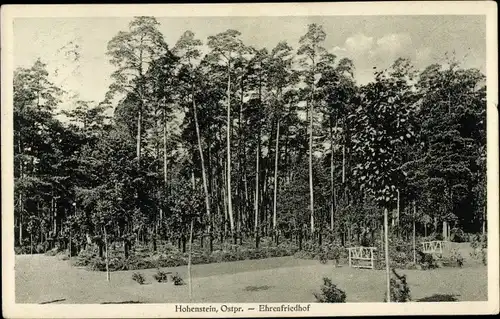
[{"x": 368, "y": 40}]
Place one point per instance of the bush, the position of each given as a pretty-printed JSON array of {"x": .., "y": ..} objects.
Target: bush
[
  {"x": 160, "y": 276},
  {"x": 141, "y": 258},
  {"x": 323, "y": 254},
  {"x": 21, "y": 250},
  {"x": 484, "y": 256},
  {"x": 457, "y": 258},
  {"x": 399, "y": 289},
  {"x": 458, "y": 235},
  {"x": 52, "y": 252},
  {"x": 400, "y": 253},
  {"x": 178, "y": 281},
  {"x": 330, "y": 293},
  {"x": 479, "y": 245},
  {"x": 426, "y": 261},
  {"x": 138, "y": 277}
]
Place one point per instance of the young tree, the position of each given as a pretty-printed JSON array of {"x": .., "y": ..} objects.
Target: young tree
[{"x": 384, "y": 105}]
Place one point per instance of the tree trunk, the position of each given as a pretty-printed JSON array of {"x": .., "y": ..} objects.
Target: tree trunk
[
  {"x": 311, "y": 187},
  {"x": 276, "y": 158},
  {"x": 397, "y": 208},
  {"x": 21, "y": 205},
  {"x": 70, "y": 243},
  {"x": 256, "y": 206},
  {"x": 484, "y": 221},
  {"x": 387, "y": 263},
  {"x": 445, "y": 230},
  {"x": 332, "y": 199},
  {"x": 229, "y": 197},
  {"x": 139, "y": 134},
  {"x": 165, "y": 164},
  {"x": 343, "y": 164},
  {"x": 203, "y": 174}
]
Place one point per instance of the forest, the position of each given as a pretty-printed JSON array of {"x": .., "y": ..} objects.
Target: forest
[{"x": 247, "y": 147}]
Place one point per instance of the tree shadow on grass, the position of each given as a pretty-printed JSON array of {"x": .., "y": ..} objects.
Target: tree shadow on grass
[
  {"x": 439, "y": 298},
  {"x": 257, "y": 288},
  {"x": 119, "y": 302},
  {"x": 51, "y": 301}
]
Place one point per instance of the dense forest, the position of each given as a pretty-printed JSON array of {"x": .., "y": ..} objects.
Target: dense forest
[{"x": 247, "y": 145}]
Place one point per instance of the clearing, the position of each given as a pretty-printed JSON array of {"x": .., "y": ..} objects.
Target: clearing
[{"x": 44, "y": 279}]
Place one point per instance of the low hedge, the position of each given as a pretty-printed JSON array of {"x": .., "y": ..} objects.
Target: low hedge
[{"x": 136, "y": 261}]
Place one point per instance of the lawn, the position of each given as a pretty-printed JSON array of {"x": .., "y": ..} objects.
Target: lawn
[{"x": 44, "y": 279}]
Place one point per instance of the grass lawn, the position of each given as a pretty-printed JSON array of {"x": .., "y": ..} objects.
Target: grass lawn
[{"x": 44, "y": 279}]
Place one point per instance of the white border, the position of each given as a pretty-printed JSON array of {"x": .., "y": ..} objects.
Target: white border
[{"x": 9, "y": 12}]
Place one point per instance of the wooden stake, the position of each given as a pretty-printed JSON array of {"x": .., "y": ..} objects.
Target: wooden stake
[
  {"x": 189, "y": 261},
  {"x": 107, "y": 259},
  {"x": 414, "y": 245},
  {"x": 387, "y": 266}
]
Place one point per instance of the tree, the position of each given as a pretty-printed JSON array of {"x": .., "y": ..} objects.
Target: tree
[
  {"x": 187, "y": 46},
  {"x": 226, "y": 45},
  {"x": 281, "y": 79},
  {"x": 132, "y": 52},
  {"x": 384, "y": 106},
  {"x": 312, "y": 52}
]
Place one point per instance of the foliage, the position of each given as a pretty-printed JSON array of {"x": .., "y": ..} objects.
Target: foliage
[
  {"x": 458, "y": 235},
  {"x": 171, "y": 258},
  {"x": 139, "y": 278},
  {"x": 457, "y": 258},
  {"x": 178, "y": 281},
  {"x": 330, "y": 251},
  {"x": 330, "y": 293},
  {"x": 160, "y": 276},
  {"x": 253, "y": 145},
  {"x": 400, "y": 291}
]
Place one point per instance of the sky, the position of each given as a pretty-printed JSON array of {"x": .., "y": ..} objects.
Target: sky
[{"x": 370, "y": 41}]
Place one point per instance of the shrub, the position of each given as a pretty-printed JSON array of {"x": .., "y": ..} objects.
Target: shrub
[
  {"x": 52, "y": 252},
  {"x": 458, "y": 235},
  {"x": 399, "y": 289},
  {"x": 484, "y": 256},
  {"x": 323, "y": 257},
  {"x": 178, "y": 281},
  {"x": 20, "y": 250},
  {"x": 479, "y": 245},
  {"x": 160, "y": 276},
  {"x": 426, "y": 261},
  {"x": 457, "y": 258},
  {"x": 330, "y": 293},
  {"x": 138, "y": 277}
]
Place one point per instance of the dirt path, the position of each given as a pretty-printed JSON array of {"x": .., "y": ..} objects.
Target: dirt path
[{"x": 42, "y": 279}]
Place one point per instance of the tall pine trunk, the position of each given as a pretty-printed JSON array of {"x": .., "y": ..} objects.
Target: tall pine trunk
[
  {"x": 139, "y": 134},
  {"x": 311, "y": 186},
  {"x": 203, "y": 174},
  {"x": 229, "y": 197},
  {"x": 276, "y": 158},
  {"x": 257, "y": 173},
  {"x": 332, "y": 198}
]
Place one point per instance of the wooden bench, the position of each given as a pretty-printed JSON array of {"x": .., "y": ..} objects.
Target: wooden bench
[
  {"x": 361, "y": 257},
  {"x": 435, "y": 247}
]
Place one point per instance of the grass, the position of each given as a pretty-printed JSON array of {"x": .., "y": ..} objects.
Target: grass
[{"x": 285, "y": 279}]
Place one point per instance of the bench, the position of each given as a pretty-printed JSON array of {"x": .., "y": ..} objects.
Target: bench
[{"x": 361, "y": 257}]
